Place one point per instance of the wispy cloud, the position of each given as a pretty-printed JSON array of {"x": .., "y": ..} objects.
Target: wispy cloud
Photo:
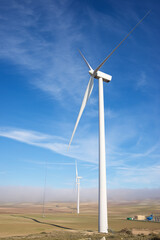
[
  {"x": 45, "y": 42},
  {"x": 148, "y": 152},
  {"x": 81, "y": 150},
  {"x": 40, "y": 46},
  {"x": 138, "y": 176},
  {"x": 93, "y": 112},
  {"x": 124, "y": 168},
  {"x": 50, "y": 163},
  {"x": 142, "y": 81}
]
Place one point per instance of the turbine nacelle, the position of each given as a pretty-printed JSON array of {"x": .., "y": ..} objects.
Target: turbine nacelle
[
  {"x": 99, "y": 74},
  {"x": 79, "y": 177}
]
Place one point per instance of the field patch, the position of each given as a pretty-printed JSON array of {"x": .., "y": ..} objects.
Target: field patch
[{"x": 17, "y": 220}]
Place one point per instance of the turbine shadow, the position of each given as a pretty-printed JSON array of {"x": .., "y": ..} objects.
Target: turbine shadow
[{"x": 50, "y": 224}]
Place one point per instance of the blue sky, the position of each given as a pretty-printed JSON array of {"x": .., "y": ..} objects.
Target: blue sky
[{"x": 43, "y": 79}]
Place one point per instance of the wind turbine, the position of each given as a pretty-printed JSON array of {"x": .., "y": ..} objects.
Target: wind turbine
[
  {"x": 102, "y": 77},
  {"x": 78, "y": 188}
]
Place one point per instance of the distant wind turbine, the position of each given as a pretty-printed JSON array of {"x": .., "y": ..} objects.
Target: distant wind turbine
[
  {"x": 102, "y": 77},
  {"x": 78, "y": 188}
]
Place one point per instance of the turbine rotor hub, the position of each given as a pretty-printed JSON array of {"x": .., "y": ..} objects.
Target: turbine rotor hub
[{"x": 99, "y": 74}]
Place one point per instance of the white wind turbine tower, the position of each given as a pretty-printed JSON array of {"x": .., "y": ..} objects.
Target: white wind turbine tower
[
  {"x": 78, "y": 188},
  {"x": 102, "y": 77}
]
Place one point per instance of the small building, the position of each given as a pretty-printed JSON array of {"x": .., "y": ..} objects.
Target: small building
[
  {"x": 130, "y": 218},
  {"x": 140, "y": 217}
]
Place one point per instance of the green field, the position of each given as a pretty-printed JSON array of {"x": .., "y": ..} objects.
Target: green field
[{"x": 62, "y": 222}]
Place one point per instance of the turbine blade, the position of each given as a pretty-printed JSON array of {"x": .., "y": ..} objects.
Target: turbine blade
[
  {"x": 85, "y": 60},
  {"x": 85, "y": 99},
  {"x": 95, "y": 71}
]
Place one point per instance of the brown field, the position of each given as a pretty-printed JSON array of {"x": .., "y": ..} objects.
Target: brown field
[{"x": 25, "y": 221}]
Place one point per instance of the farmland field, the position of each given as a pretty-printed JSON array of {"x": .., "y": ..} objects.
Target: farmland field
[{"x": 61, "y": 221}]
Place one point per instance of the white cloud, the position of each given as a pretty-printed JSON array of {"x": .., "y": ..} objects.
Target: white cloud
[
  {"x": 81, "y": 150},
  {"x": 136, "y": 176},
  {"x": 142, "y": 80},
  {"x": 148, "y": 152},
  {"x": 128, "y": 169},
  {"x": 49, "y": 163},
  {"x": 45, "y": 42},
  {"x": 86, "y": 148},
  {"x": 44, "y": 48}
]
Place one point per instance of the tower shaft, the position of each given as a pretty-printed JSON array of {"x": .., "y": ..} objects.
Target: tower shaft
[
  {"x": 78, "y": 196},
  {"x": 103, "y": 217}
]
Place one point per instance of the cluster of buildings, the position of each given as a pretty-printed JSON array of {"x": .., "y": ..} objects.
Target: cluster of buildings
[{"x": 153, "y": 218}]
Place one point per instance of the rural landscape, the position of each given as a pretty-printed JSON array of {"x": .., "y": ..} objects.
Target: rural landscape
[
  {"x": 79, "y": 120},
  {"x": 25, "y": 221}
]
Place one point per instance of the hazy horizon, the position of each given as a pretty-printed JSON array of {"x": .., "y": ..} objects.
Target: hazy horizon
[{"x": 35, "y": 194}]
